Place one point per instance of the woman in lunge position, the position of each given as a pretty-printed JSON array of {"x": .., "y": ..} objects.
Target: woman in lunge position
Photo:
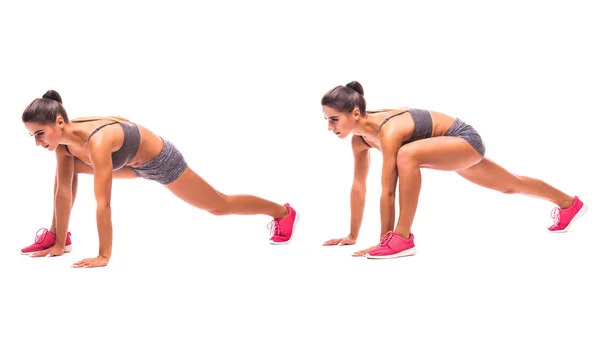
[
  {"x": 410, "y": 139},
  {"x": 114, "y": 147}
]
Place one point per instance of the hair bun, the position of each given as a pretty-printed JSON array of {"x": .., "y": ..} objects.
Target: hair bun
[
  {"x": 354, "y": 85},
  {"x": 51, "y": 94}
]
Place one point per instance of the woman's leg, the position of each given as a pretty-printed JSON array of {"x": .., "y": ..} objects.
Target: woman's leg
[
  {"x": 194, "y": 190},
  {"x": 439, "y": 153},
  {"x": 73, "y": 194},
  {"x": 493, "y": 176}
]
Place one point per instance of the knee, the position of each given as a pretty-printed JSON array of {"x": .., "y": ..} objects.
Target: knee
[
  {"x": 509, "y": 190},
  {"x": 406, "y": 156},
  {"x": 515, "y": 187},
  {"x": 221, "y": 207}
]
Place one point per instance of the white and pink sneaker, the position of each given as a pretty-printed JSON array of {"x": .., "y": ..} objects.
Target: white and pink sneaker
[
  {"x": 393, "y": 245},
  {"x": 564, "y": 217},
  {"x": 45, "y": 239},
  {"x": 282, "y": 229}
]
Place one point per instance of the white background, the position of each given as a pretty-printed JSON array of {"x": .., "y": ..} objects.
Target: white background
[{"x": 237, "y": 87}]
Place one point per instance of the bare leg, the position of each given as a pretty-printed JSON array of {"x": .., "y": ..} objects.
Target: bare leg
[
  {"x": 440, "y": 153},
  {"x": 74, "y": 193},
  {"x": 491, "y": 175},
  {"x": 194, "y": 190}
]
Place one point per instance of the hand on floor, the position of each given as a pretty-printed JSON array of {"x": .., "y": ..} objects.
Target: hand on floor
[
  {"x": 52, "y": 251},
  {"x": 348, "y": 240},
  {"x": 364, "y": 251},
  {"x": 99, "y": 261}
]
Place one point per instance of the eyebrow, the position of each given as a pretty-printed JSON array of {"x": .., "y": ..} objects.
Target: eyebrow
[{"x": 35, "y": 133}]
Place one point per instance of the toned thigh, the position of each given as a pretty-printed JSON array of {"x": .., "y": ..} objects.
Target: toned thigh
[
  {"x": 491, "y": 175},
  {"x": 122, "y": 173},
  {"x": 194, "y": 190},
  {"x": 439, "y": 153}
]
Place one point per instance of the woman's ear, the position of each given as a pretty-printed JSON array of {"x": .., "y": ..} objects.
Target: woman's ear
[
  {"x": 60, "y": 122},
  {"x": 356, "y": 113}
]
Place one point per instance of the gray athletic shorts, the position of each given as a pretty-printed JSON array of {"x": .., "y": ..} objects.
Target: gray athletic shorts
[
  {"x": 166, "y": 167},
  {"x": 467, "y": 132}
]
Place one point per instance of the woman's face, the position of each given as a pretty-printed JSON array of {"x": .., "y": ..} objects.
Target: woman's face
[
  {"x": 45, "y": 135},
  {"x": 341, "y": 123}
]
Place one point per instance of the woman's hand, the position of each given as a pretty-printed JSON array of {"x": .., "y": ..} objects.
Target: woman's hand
[
  {"x": 364, "y": 251},
  {"x": 93, "y": 262},
  {"x": 52, "y": 251},
  {"x": 348, "y": 240}
]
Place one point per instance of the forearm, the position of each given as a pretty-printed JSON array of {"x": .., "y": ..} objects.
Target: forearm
[
  {"x": 357, "y": 208},
  {"x": 103, "y": 219},
  {"x": 62, "y": 211},
  {"x": 387, "y": 211}
]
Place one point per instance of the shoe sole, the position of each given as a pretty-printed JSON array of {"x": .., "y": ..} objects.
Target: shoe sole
[
  {"x": 408, "y": 252},
  {"x": 296, "y": 219},
  {"x": 68, "y": 249},
  {"x": 579, "y": 214}
]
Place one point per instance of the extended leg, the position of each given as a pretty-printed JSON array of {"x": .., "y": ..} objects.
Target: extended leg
[
  {"x": 491, "y": 175},
  {"x": 194, "y": 190}
]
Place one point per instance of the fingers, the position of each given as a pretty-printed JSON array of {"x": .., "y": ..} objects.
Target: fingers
[
  {"x": 53, "y": 253},
  {"x": 364, "y": 251},
  {"x": 360, "y": 253},
  {"x": 332, "y": 242},
  {"x": 90, "y": 263},
  {"x": 40, "y": 253},
  {"x": 47, "y": 252},
  {"x": 85, "y": 263}
]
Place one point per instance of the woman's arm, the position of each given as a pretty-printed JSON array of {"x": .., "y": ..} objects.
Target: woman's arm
[
  {"x": 357, "y": 193},
  {"x": 100, "y": 156},
  {"x": 391, "y": 140},
  {"x": 65, "y": 169},
  {"x": 63, "y": 196},
  {"x": 359, "y": 185}
]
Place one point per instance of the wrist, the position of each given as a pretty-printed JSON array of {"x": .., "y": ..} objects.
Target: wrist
[{"x": 353, "y": 236}]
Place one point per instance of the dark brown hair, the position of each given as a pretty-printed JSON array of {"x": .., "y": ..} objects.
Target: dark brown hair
[
  {"x": 45, "y": 110},
  {"x": 346, "y": 98}
]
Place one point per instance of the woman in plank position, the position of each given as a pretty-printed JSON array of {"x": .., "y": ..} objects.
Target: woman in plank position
[
  {"x": 411, "y": 139},
  {"x": 114, "y": 147}
]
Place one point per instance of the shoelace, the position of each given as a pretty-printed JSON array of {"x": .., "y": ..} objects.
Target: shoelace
[
  {"x": 555, "y": 214},
  {"x": 386, "y": 238},
  {"x": 39, "y": 238},
  {"x": 275, "y": 227}
]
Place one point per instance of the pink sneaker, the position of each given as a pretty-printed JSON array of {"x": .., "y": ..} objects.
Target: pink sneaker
[
  {"x": 393, "y": 245},
  {"x": 45, "y": 240},
  {"x": 564, "y": 217},
  {"x": 282, "y": 229}
]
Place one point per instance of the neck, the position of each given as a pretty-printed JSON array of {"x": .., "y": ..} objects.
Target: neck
[
  {"x": 73, "y": 135},
  {"x": 367, "y": 127}
]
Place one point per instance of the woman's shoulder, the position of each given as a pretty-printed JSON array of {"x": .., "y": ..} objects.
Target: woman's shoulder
[{"x": 99, "y": 118}]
